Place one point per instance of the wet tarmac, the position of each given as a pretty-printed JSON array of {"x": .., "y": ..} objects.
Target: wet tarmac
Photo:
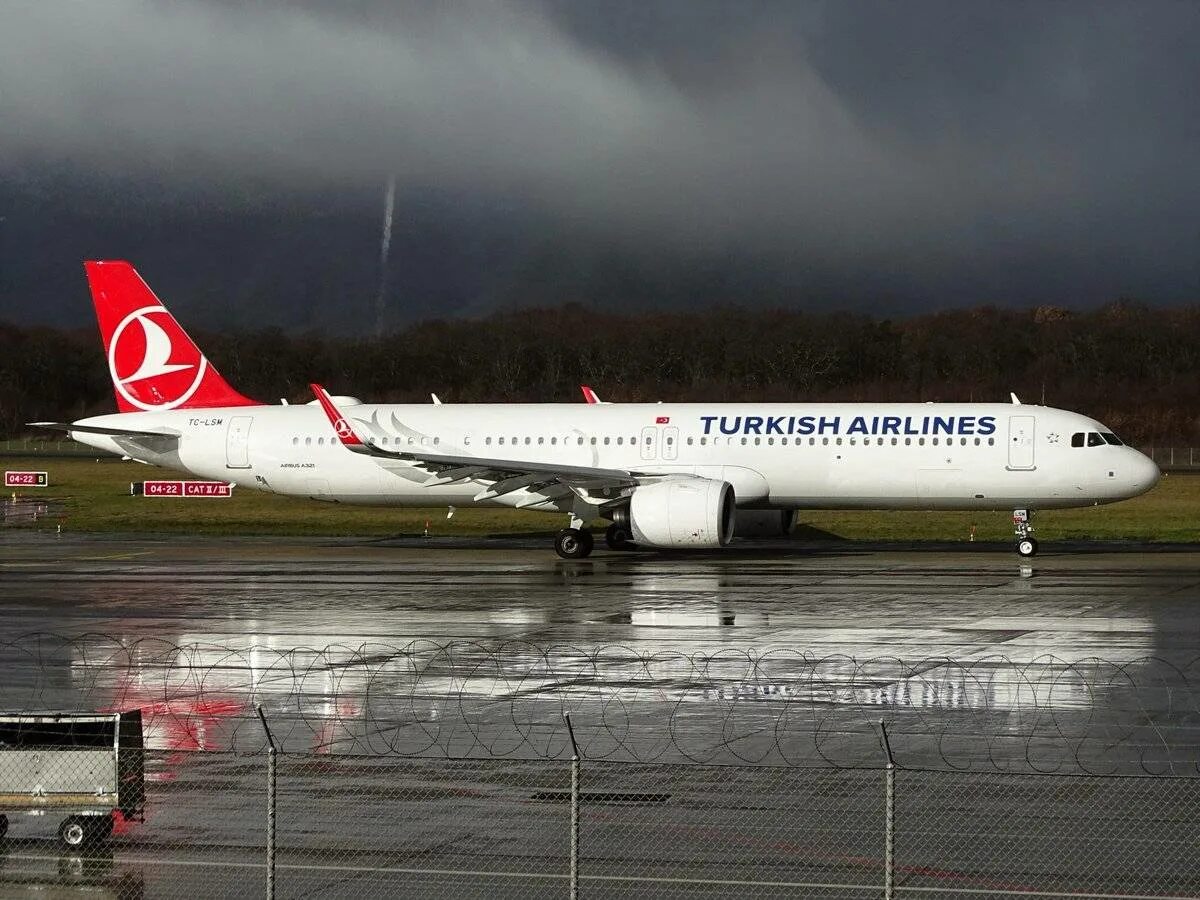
[{"x": 1083, "y": 661}]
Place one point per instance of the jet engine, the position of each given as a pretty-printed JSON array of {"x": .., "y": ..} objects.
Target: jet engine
[
  {"x": 684, "y": 512},
  {"x": 764, "y": 523}
]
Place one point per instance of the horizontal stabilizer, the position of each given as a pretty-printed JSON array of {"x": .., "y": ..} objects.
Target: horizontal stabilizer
[{"x": 111, "y": 432}]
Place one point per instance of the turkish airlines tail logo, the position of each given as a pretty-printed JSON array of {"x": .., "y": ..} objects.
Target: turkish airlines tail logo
[{"x": 153, "y": 363}]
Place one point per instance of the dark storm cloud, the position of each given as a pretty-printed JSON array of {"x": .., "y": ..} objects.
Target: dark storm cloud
[{"x": 922, "y": 141}]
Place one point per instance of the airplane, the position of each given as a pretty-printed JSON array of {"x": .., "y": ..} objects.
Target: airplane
[{"x": 663, "y": 475}]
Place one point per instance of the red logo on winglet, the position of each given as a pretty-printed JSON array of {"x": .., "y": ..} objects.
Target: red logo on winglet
[{"x": 663, "y": 420}]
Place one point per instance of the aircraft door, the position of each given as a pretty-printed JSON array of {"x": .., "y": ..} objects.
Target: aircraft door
[
  {"x": 670, "y": 447},
  {"x": 649, "y": 443},
  {"x": 237, "y": 442},
  {"x": 1020, "y": 442}
]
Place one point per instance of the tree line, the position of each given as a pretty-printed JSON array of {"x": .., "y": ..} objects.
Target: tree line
[{"x": 1135, "y": 368}]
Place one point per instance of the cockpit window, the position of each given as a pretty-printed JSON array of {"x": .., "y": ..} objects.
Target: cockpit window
[
  {"x": 1077, "y": 439},
  {"x": 1094, "y": 440},
  {"x": 1110, "y": 438}
]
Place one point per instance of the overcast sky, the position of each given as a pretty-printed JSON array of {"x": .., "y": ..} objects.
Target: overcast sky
[{"x": 931, "y": 154}]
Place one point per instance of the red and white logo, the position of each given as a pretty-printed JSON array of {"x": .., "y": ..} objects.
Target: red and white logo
[
  {"x": 663, "y": 420},
  {"x": 153, "y": 363},
  {"x": 343, "y": 429}
]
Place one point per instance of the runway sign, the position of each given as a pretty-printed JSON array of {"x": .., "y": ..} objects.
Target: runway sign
[
  {"x": 182, "y": 489},
  {"x": 26, "y": 479}
]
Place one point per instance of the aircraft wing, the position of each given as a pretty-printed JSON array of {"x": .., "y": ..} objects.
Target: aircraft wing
[{"x": 505, "y": 475}]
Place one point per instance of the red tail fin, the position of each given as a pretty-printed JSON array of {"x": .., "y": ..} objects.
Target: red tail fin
[{"x": 153, "y": 363}]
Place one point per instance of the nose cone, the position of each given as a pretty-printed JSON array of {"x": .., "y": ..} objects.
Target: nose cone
[{"x": 1143, "y": 473}]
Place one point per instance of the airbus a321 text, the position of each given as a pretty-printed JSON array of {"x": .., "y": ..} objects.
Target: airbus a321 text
[{"x": 668, "y": 475}]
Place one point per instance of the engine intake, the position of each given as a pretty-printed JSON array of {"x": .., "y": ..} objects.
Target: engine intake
[{"x": 685, "y": 512}]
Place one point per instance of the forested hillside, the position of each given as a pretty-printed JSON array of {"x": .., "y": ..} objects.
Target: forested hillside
[{"x": 1135, "y": 368}]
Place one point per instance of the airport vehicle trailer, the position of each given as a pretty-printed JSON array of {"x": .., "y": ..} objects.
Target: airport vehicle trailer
[{"x": 82, "y": 767}]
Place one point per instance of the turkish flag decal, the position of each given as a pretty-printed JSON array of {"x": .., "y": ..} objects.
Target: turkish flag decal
[{"x": 662, "y": 420}]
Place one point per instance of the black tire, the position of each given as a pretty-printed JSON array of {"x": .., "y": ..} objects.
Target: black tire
[
  {"x": 3, "y": 826},
  {"x": 617, "y": 537},
  {"x": 1027, "y": 547},
  {"x": 73, "y": 832},
  {"x": 573, "y": 543}
]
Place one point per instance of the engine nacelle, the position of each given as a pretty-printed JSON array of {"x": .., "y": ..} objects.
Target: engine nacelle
[
  {"x": 762, "y": 523},
  {"x": 685, "y": 512}
]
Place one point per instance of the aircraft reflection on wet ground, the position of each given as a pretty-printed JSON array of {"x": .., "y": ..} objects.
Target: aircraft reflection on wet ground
[{"x": 1087, "y": 662}]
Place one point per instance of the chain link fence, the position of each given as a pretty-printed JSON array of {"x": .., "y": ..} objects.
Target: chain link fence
[{"x": 304, "y": 825}]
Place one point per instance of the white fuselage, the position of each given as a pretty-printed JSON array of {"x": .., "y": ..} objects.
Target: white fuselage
[{"x": 796, "y": 455}]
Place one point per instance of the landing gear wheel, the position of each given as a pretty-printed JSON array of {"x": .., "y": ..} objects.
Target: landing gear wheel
[
  {"x": 573, "y": 543},
  {"x": 617, "y": 537},
  {"x": 73, "y": 832},
  {"x": 1027, "y": 547}
]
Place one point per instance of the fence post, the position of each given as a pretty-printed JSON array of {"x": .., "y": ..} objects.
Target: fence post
[
  {"x": 574, "y": 809},
  {"x": 270, "y": 806},
  {"x": 889, "y": 817}
]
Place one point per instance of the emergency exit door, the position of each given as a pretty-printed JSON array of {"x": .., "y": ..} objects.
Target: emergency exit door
[
  {"x": 1020, "y": 442},
  {"x": 237, "y": 442}
]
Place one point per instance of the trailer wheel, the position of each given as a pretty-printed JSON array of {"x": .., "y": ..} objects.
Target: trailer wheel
[{"x": 72, "y": 832}]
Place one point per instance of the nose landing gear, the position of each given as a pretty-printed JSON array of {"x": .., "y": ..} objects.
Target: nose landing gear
[{"x": 1023, "y": 529}]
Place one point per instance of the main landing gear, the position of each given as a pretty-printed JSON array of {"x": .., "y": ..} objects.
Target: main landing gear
[
  {"x": 577, "y": 543},
  {"x": 574, "y": 543},
  {"x": 1023, "y": 529}
]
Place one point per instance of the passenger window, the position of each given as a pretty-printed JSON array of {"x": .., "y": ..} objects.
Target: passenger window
[
  {"x": 921, "y": 441},
  {"x": 703, "y": 441},
  {"x": 295, "y": 442},
  {"x": 757, "y": 442},
  {"x": 620, "y": 441},
  {"x": 908, "y": 442},
  {"x": 895, "y": 441},
  {"x": 501, "y": 441},
  {"x": 851, "y": 442},
  {"x": 581, "y": 442},
  {"x": 976, "y": 442},
  {"x": 607, "y": 441},
  {"x": 935, "y": 442},
  {"x": 670, "y": 441},
  {"x": 321, "y": 441},
  {"x": 744, "y": 441},
  {"x": 991, "y": 442},
  {"x": 1094, "y": 440},
  {"x": 488, "y": 441},
  {"x": 308, "y": 442},
  {"x": 633, "y": 440},
  {"x": 689, "y": 442},
  {"x": 825, "y": 441},
  {"x": 541, "y": 441},
  {"x": 553, "y": 440},
  {"x": 1077, "y": 439},
  {"x": 771, "y": 441},
  {"x": 436, "y": 441},
  {"x": 528, "y": 441},
  {"x": 593, "y": 442}
]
